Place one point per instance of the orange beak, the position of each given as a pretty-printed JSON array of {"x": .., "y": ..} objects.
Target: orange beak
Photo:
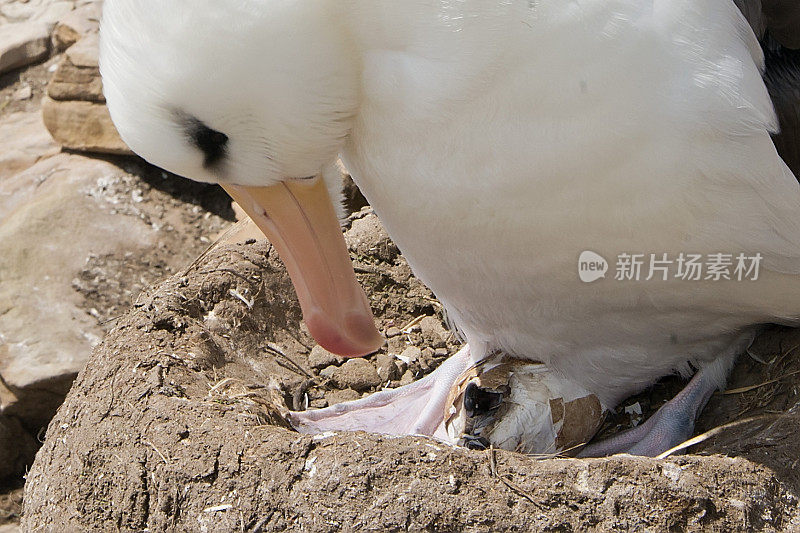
[{"x": 299, "y": 220}]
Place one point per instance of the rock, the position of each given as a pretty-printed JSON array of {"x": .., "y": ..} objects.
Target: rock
[
  {"x": 368, "y": 238},
  {"x": 411, "y": 355},
  {"x": 356, "y": 374},
  {"x": 74, "y": 111},
  {"x": 328, "y": 371},
  {"x": 47, "y": 12},
  {"x": 407, "y": 379},
  {"x": 396, "y": 344},
  {"x": 23, "y": 93},
  {"x": 319, "y": 404},
  {"x": 76, "y": 24},
  {"x": 320, "y": 358},
  {"x": 22, "y": 44},
  {"x": 82, "y": 126},
  {"x": 402, "y": 366},
  {"x": 25, "y": 140},
  {"x": 387, "y": 367},
  {"x": 341, "y": 396},
  {"x": 78, "y": 76},
  {"x": 433, "y": 333},
  {"x": 426, "y": 362},
  {"x": 38, "y": 260},
  {"x": 392, "y": 332},
  {"x": 60, "y": 227}
]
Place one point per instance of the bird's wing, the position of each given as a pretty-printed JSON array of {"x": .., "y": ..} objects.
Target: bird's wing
[
  {"x": 750, "y": 195},
  {"x": 781, "y": 18},
  {"x": 782, "y": 77},
  {"x": 745, "y": 196},
  {"x": 782, "y": 21},
  {"x": 776, "y": 23}
]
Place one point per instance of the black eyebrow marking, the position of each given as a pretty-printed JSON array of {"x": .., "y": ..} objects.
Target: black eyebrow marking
[{"x": 213, "y": 143}]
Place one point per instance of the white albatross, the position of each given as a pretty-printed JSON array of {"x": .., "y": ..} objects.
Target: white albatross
[{"x": 497, "y": 141}]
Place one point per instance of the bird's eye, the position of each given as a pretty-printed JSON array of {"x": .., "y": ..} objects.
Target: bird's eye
[
  {"x": 213, "y": 143},
  {"x": 478, "y": 401}
]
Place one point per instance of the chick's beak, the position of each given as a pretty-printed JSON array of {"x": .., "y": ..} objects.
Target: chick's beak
[{"x": 299, "y": 220}]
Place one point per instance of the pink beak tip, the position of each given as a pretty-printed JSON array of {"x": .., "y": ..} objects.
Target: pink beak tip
[{"x": 362, "y": 338}]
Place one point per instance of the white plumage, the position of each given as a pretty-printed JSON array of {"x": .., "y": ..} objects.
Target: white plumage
[
  {"x": 524, "y": 133},
  {"x": 497, "y": 141}
]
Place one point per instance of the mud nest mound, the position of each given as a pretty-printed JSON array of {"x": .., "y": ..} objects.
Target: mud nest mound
[{"x": 172, "y": 426}]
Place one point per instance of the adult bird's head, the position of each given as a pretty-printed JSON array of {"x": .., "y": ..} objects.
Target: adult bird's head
[{"x": 258, "y": 97}]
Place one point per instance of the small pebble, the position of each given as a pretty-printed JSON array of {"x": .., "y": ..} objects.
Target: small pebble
[
  {"x": 315, "y": 394},
  {"x": 407, "y": 379},
  {"x": 387, "y": 367},
  {"x": 402, "y": 366},
  {"x": 425, "y": 365},
  {"x": 339, "y": 396},
  {"x": 411, "y": 354},
  {"x": 393, "y": 331},
  {"x": 396, "y": 344},
  {"x": 23, "y": 93},
  {"x": 356, "y": 374},
  {"x": 321, "y": 358},
  {"x": 328, "y": 371},
  {"x": 433, "y": 332}
]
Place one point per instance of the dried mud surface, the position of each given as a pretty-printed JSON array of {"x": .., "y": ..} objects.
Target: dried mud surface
[
  {"x": 186, "y": 214},
  {"x": 173, "y": 426}
]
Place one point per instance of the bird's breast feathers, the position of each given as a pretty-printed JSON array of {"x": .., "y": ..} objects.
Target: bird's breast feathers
[{"x": 612, "y": 126}]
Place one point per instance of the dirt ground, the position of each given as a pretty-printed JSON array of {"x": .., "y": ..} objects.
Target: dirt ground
[
  {"x": 35, "y": 77},
  {"x": 188, "y": 216},
  {"x": 175, "y": 426}
]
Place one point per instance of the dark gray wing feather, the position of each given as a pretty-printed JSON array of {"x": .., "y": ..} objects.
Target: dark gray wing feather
[
  {"x": 782, "y": 21},
  {"x": 781, "y": 18},
  {"x": 777, "y": 25},
  {"x": 782, "y": 76}
]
